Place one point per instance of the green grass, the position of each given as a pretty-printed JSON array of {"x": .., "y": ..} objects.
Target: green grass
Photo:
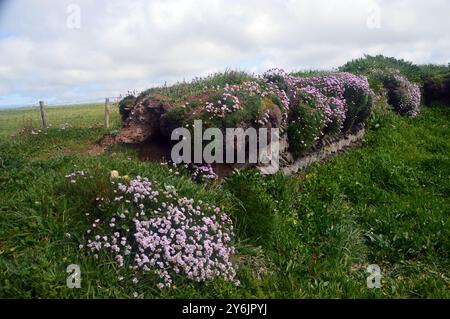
[
  {"x": 368, "y": 63},
  {"x": 179, "y": 91},
  {"x": 84, "y": 116},
  {"x": 307, "y": 236}
]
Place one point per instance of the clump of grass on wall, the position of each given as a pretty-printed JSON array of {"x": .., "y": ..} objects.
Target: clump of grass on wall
[
  {"x": 359, "y": 105},
  {"x": 437, "y": 88},
  {"x": 125, "y": 106},
  {"x": 305, "y": 125},
  {"x": 368, "y": 63},
  {"x": 403, "y": 95}
]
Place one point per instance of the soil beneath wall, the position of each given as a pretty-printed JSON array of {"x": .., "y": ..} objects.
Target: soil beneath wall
[
  {"x": 159, "y": 151},
  {"x": 155, "y": 151}
]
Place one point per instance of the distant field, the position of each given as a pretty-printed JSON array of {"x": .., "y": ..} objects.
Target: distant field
[{"x": 86, "y": 115}]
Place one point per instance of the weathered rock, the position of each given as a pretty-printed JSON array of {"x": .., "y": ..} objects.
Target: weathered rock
[
  {"x": 143, "y": 122},
  {"x": 275, "y": 118},
  {"x": 290, "y": 166},
  {"x": 125, "y": 106}
]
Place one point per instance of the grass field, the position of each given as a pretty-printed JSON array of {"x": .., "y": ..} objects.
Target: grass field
[
  {"x": 307, "y": 236},
  {"x": 86, "y": 115}
]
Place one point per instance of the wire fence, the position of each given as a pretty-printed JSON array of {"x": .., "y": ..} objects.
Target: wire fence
[
  {"x": 49, "y": 103},
  {"x": 81, "y": 113},
  {"x": 107, "y": 102}
]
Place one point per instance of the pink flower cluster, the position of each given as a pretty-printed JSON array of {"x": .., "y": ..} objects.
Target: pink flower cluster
[
  {"x": 185, "y": 241},
  {"x": 203, "y": 172},
  {"x": 410, "y": 102},
  {"x": 332, "y": 89},
  {"x": 199, "y": 172},
  {"x": 326, "y": 92},
  {"x": 264, "y": 119},
  {"x": 248, "y": 86},
  {"x": 155, "y": 230},
  {"x": 228, "y": 104},
  {"x": 221, "y": 107},
  {"x": 270, "y": 76}
]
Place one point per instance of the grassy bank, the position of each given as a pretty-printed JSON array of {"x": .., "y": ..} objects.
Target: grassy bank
[{"x": 307, "y": 236}]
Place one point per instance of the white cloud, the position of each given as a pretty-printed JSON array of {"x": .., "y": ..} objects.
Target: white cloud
[{"x": 123, "y": 45}]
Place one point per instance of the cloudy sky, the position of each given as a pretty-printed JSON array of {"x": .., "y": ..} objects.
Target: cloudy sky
[{"x": 70, "y": 51}]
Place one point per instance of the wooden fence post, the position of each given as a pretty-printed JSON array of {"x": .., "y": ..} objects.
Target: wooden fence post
[
  {"x": 107, "y": 112},
  {"x": 43, "y": 116}
]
